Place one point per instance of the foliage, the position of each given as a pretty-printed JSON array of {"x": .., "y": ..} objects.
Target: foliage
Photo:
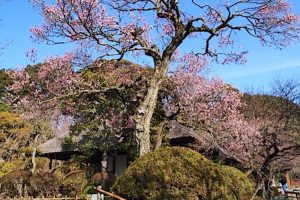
[
  {"x": 5, "y": 81},
  {"x": 17, "y": 136},
  {"x": 15, "y": 133},
  {"x": 279, "y": 123},
  {"x": 24, "y": 183},
  {"x": 102, "y": 116},
  {"x": 9, "y": 166},
  {"x": 17, "y": 181},
  {"x": 278, "y": 120},
  {"x": 22, "y": 163},
  {"x": 213, "y": 109},
  {"x": 104, "y": 119},
  {"x": 44, "y": 184},
  {"x": 74, "y": 183},
  {"x": 88, "y": 190},
  {"x": 4, "y": 107},
  {"x": 180, "y": 173}
]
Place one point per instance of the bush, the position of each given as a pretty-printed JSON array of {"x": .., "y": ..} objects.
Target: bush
[
  {"x": 44, "y": 184},
  {"x": 74, "y": 183},
  {"x": 15, "y": 183},
  {"x": 181, "y": 173},
  {"x": 22, "y": 183},
  {"x": 7, "y": 167}
]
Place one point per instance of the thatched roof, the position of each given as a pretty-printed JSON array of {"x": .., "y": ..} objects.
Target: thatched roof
[
  {"x": 183, "y": 135},
  {"x": 201, "y": 141},
  {"x": 177, "y": 130},
  {"x": 54, "y": 148},
  {"x": 55, "y": 145},
  {"x": 51, "y": 146},
  {"x": 287, "y": 160}
]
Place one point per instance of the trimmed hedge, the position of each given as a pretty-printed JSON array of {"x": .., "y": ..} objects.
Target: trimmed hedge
[
  {"x": 22, "y": 183},
  {"x": 181, "y": 173}
]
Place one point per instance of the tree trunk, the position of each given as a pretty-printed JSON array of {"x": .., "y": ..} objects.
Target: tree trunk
[
  {"x": 257, "y": 188},
  {"x": 104, "y": 162},
  {"x": 146, "y": 109},
  {"x": 104, "y": 169},
  {"x": 159, "y": 135},
  {"x": 34, "y": 153},
  {"x": 267, "y": 181},
  {"x": 248, "y": 173},
  {"x": 158, "y": 140}
]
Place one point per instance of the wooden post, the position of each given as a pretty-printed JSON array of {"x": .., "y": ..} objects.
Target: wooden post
[
  {"x": 50, "y": 164},
  {"x": 99, "y": 190}
]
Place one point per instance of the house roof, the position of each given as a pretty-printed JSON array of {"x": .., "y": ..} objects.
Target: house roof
[
  {"x": 61, "y": 131},
  {"x": 55, "y": 145},
  {"x": 179, "y": 131},
  {"x": 54, "y": 148}
]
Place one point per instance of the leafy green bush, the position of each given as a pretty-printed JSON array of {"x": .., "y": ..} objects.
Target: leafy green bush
[
  {"x": 181, "y": 173},
  {"x": 23, "y": 183},
  {"x": 9, "y": 166},
  {"x": 42, "y": 184},
  {"x": 22, "y": 163},
  {"x": 74, "y": 183},
  {"x": 15, "y": 183}
]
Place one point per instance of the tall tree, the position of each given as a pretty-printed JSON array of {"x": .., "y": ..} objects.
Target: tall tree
[
  {"x": 116, "y": 28},
  {"x": 279, "y": 124}
]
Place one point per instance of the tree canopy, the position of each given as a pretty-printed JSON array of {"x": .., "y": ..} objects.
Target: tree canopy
[{"x": 156, "y": 29}]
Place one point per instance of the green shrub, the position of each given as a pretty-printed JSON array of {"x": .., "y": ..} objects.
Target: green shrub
[
  {"x": 74, "y": 183},
  {"x": 42, "y": 184},
  {"x": 22, "y": 164},
  {"x": 181, "y": 173},
  {"x": 23, "y": 183},
  {"x": 7, "y": 167},
  {"x": 15, "y": 183}
]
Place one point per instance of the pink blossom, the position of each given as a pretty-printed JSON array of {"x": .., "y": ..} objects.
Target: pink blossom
[{"x": 38, "y": 32}]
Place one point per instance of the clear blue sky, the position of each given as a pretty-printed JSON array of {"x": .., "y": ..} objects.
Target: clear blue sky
[{"x": 264, "y": 63}]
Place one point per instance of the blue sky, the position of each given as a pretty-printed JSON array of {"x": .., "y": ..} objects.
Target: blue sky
[{"x": 264, "y": 63}]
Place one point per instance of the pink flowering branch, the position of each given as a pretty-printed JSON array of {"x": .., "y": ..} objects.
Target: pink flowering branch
[{"x": 215, "y": 108}]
